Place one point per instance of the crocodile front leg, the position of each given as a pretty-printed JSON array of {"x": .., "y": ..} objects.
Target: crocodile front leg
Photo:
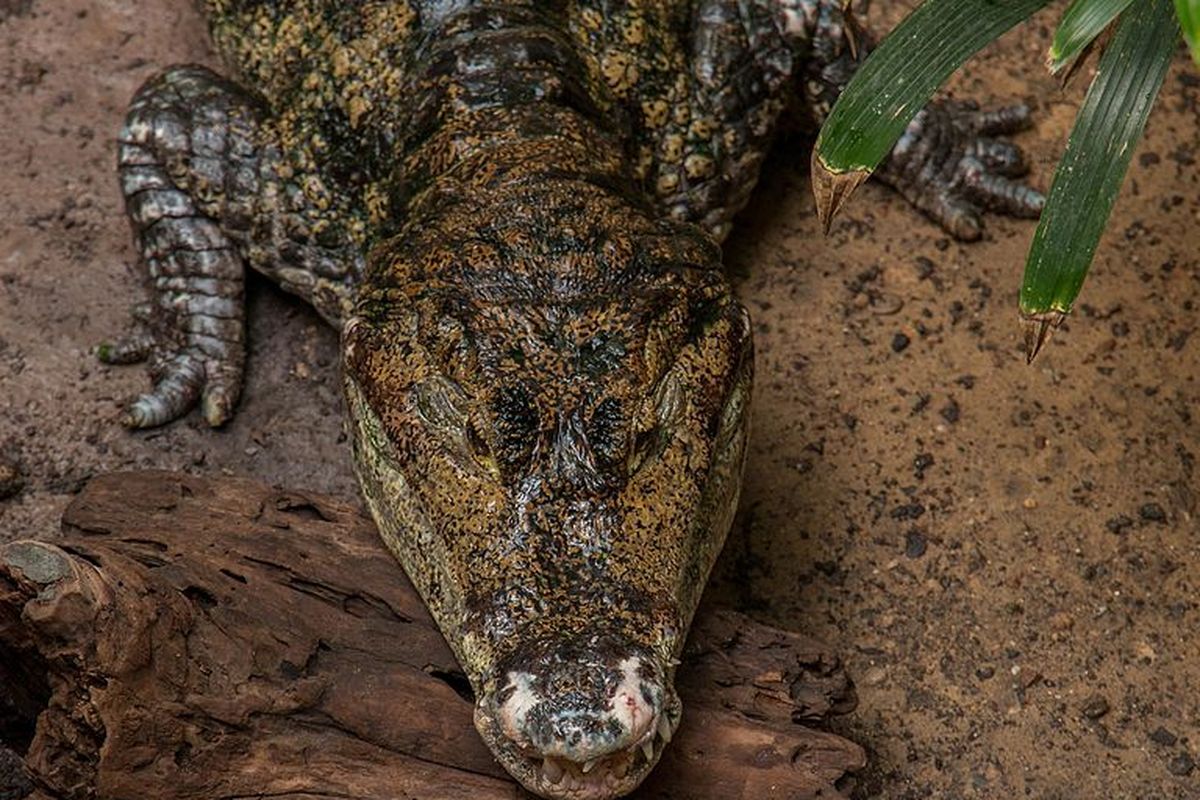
[
  {"x": 948, "y": 163},
  {"x": 208, "y": 189},
  {"x": 749, "y": 58}
]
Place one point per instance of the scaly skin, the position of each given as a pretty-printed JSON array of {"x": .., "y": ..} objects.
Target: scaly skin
[{"x": 512, "y": 211}]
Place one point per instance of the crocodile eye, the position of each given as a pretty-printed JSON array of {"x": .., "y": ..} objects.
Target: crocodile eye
[
  {"x": 657, "y": 421},
  {"x": 646, "y": 444},
  {"x": 480, "y": 450}
]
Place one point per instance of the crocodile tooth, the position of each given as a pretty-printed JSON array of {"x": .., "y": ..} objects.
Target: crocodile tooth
[
  {"x": 587, "y": 765},
  {"x": 648, "y": 750},
  {"x": 552, "y": 771},
  {"x": 664, "y": 729}
]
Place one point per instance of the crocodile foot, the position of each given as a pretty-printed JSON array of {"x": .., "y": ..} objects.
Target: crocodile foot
[
  {"x": 183, "y": 374},
  {"x": 951, "y": 165}
]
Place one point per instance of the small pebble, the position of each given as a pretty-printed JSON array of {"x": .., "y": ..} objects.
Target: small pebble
[
  {"x": 1163, "y": 736},
  {"x": 950, "y": 412},
  {"x": 1119, "y": 524},
  {"x": 874, "y": 676},
  {"x": 914, "y": 544},
  {"x": 1181, "y": 765},
  {"x": 985, "y": 673},
  {"x": 1152, "y": 512},
  {"x": 922, "y": 462},
  {"x": 908, "y": 511},
  {"x": 1095, "y": 707},
  {"x": 900, "y": 342},
  {"x": 886, "y": 304}
]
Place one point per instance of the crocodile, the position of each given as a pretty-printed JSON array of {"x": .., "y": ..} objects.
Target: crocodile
[{"x": 512, "y": 212}]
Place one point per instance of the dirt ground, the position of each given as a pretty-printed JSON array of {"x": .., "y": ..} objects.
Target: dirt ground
[{"x": 1007, "y": 556}]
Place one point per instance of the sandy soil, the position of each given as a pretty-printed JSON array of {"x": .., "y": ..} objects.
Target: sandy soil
[{"x": 1007, "y": 556}]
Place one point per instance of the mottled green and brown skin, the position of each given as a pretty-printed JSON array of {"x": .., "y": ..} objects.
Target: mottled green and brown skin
[{"x": 512, "y": 211}]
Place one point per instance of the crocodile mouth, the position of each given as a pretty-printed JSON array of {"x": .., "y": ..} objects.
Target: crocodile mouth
[{"x": 602, "y": 778}]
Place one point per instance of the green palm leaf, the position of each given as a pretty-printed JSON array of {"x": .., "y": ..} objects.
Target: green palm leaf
[
  {"x": 1188, "y": 12},
  {"x": 1090, "y": 173},
  {"x": 1080, "y": 24}
]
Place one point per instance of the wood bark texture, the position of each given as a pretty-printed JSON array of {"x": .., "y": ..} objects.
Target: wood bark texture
[{"x": 215, "y": 639}]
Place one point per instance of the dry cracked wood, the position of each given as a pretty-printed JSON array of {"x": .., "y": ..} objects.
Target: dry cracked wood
[{"x": 200, "y": 638}]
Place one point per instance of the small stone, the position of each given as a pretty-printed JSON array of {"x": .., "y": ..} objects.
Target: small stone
[
  {"x": 1029, "y": 503},
  {"x": 900, "y": 342},
  {"x": 985, "y": 673},
  {"x": 908, "y": 511},
  {"x": 1119, "y": 524},
  {"x": 922, "y": 462},
  {"x": 1181, "y": 765},
  {"x": 1164, "y": 737},
  {"x": 1152, "y": 512},
  {"x": 950, "y": 412},
  {"x": 1095, "y": 707},
  {"x": 914, "y": 544},
  {"x": 39, "y": 562},
  {"x": 886, "y": 304},
  {"x": 874, "y": 676}
]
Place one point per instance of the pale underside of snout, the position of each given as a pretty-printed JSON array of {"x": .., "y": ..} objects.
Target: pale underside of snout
[{"x": 575, "y": 736}]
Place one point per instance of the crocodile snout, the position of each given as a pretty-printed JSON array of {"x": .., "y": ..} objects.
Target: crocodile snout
[{"x": 584, "y": 716}]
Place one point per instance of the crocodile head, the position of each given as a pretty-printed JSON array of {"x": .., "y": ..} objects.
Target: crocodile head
[{"x": 551, "y": 444}]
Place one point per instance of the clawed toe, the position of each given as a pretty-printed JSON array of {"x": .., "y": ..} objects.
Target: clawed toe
[
  {"x": 998, "y": 193},
  {"x": 175, "y": 392},
  {"x": 131, "y": 349},
  {"x": 999, "y": 156},
  {"x": 1000, "y": 121},
  {"x": 217, "y": 404}
]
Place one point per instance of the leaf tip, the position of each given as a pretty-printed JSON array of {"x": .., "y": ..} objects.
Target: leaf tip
[
  {"x": 1054, "y": 60},
  {"x": 832, "y": 189},
  {"x": 1038, "y": 328}
]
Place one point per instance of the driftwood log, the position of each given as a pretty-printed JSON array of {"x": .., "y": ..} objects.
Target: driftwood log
[{"x": 196, "y": 638}]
